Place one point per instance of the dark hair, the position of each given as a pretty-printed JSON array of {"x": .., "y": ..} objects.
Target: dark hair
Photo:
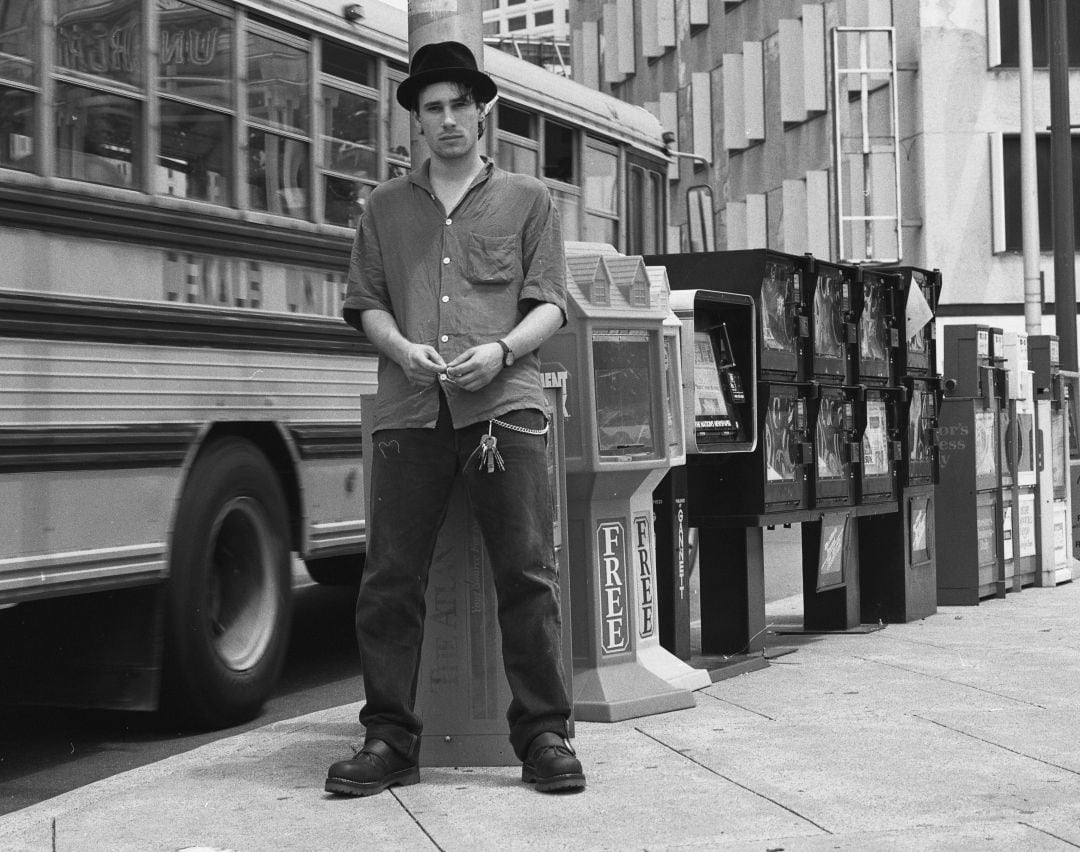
[{"x": 466, "y": 89}]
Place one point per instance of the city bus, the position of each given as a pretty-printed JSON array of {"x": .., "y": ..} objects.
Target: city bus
[{"x": 180, "y": 182}]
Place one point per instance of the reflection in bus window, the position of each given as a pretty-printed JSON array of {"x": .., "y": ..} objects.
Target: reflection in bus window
[
  {"x": 17, "y": 32},
  {"x": 277, "y": 173},
  {"x": 345, "y": 200},
  {"x": 350, "y": 144},
  {"x": 195, "y": 160},
  {"x": 104, "y": 39},
  {"x": 95, "y": 136},
  {"x": 196, "y": 53},
  {"x": 277, "y": 83},
  {"x": 398, "y": 129},
  {"x": 16, "y": 128}
]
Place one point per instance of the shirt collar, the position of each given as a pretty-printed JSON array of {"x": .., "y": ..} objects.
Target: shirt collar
[{"x": 421, "y": 176}]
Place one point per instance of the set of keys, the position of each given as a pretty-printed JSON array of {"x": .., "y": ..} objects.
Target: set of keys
[{"x": 490, "y": 457}]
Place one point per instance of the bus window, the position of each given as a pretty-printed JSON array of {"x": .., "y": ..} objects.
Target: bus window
[
  {"x": 195, "y": 159},
  {"x": 96, "y": 136},
  {"x": 351, "y": 122},
  {"x": 101, "y": 39},
  {"x": 18, "y": 19},
  {"x": 601, "y": 194},
  {"x": 277, "y": 99},
  {"x": 559, "y": 153},
  {"x": 398, "y": 127},
  {"x": 277, "y": 83},
  {"x": 560, "y": 174},
  {"x": 644, "y": 206},
  {"x": 350, "y": 127},
  {"x": 348, "y": 64},
  {"x": 699, "y": 216},
  {"x": 196, "y": 54},
  {"x": 517, "y": 149},
  {"x": 16, "y": 128},
  {"x": 277, "y": 173},
  {"x": 194, "y": 76}
]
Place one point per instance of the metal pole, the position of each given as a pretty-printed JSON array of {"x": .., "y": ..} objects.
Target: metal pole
[
  {"x": 1062, "y": 182},
  {"x": 443, "y": 20},
  {"x": 1029, "y": 191}
]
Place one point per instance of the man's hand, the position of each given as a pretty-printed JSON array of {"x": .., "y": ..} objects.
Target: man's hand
[
  {"x": 476, "y": 367},
  {"x": 422, "y": 364}
]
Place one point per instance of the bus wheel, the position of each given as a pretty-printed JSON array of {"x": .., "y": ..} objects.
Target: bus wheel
[
  {"x": 337, "y": 570},
  {"x": 230, "y": 588}
]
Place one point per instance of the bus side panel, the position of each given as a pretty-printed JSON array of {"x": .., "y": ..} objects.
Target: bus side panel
[
  {"x": 93, "y": 437},
  {"x": 65, "y": 531},
  {"x": 334, "y": 500}
]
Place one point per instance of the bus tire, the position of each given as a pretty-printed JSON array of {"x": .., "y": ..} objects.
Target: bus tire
[
  {"x": 230, "y": 588},
  {"x": 337, "y": 570}
]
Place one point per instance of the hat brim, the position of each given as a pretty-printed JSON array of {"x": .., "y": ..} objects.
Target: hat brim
[{"x": 483, "y": 86}]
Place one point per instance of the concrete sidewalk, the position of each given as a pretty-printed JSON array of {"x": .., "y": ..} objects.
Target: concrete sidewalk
[{"x": 961, "y": 731}]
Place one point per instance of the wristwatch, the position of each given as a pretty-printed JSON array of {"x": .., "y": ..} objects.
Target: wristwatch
[{"x": 508, "y": 354}]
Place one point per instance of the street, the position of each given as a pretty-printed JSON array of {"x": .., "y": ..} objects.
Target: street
[{"x": 48, "y": 751}]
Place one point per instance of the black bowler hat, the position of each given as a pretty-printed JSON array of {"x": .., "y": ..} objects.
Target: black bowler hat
[{"x": 441, "y": 62}]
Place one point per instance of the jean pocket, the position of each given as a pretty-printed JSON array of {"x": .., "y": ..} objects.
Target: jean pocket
[{"x": 494, "y": 261}]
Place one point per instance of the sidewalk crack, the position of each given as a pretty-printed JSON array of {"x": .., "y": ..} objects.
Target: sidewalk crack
[
  {"x": 1064, "y": 840},
  {"x": 730, "y": 780},
  {"x": 977, "y": 738},
  {"x": 950, "y": 680},
  {"x": 412, "y": 816},
  {"x": 740, "y": 706}
]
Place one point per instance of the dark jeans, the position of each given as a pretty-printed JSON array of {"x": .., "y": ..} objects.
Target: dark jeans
[{"x": 413, "y": 471}]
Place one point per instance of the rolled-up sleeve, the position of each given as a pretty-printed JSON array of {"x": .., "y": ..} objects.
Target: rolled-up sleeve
[
  {"x": 366, "y": 286},
  {"x": 543, "y": 257}
]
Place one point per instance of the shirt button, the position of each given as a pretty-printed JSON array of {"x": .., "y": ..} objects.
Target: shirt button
[
  {"x": 446, "y": 298},
  {"x": 445, "y": 338},
  {"x": 445, "y": 261},
  {"x": 449, "y": 221}
]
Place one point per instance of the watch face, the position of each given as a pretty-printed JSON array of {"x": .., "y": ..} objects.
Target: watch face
[{"x": 508, "y": 358}]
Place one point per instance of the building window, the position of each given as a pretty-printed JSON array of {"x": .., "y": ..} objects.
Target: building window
[
  {"x": 544, "y": 19},
  {"x": 1010, "y": 44},
  {"x": 866, "y": 145},
  {"x": 518, "y": 22},
  {"x": 1014, "y": 240},
  {"x": 489, "y": 5}
]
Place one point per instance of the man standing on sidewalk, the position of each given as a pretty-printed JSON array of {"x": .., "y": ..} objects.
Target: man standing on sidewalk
[{"x": 457, "y": 277}]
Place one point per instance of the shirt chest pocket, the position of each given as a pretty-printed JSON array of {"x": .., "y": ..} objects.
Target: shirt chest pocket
[{"x": 493, "y": 261}]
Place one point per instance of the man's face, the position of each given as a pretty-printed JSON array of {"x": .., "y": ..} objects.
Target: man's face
[{"x": 449, "y": 120}]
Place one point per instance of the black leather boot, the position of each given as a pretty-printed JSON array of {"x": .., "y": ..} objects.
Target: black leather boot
[
  {"x": 552, "y": 765},
  {"x": 373, "y": 769}
]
